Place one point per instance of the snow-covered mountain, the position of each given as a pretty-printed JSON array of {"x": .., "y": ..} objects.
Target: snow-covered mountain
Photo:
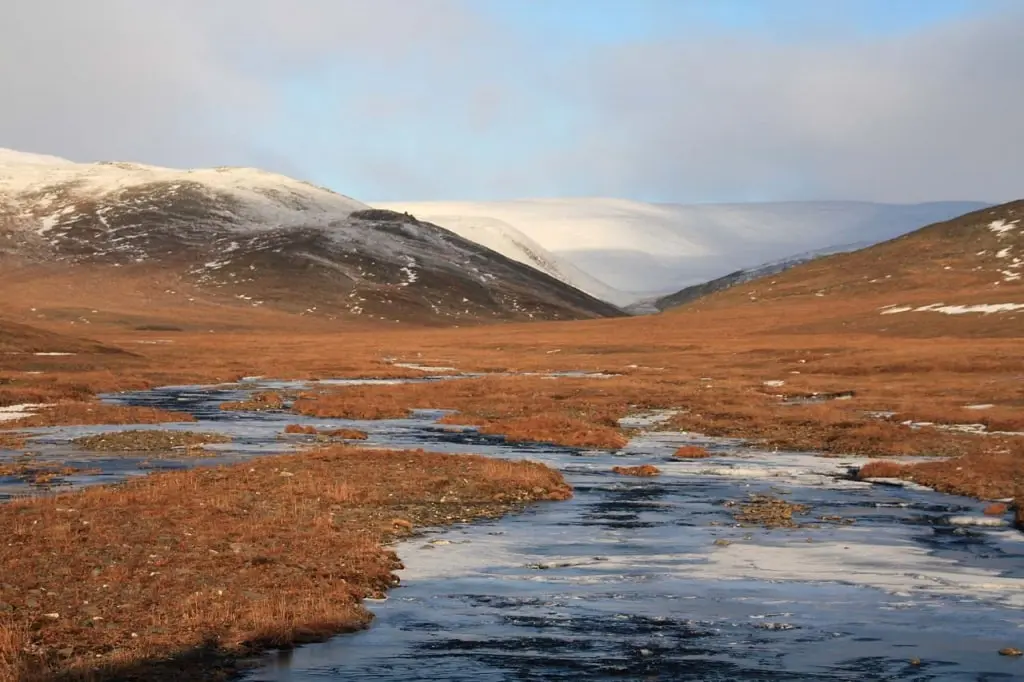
[
  {"x": 641, "y": 249},
  {"x": 259, "y": 238}
]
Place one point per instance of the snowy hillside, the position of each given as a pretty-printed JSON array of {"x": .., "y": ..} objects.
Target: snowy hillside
[
  {"x": 643, "y": 249},
  {"x": 258, "y": 238},
  {"x": 51, "y": 187},
  {"x": 505, "y": 239}
]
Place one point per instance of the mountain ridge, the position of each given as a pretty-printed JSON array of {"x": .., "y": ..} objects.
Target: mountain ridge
[{"x": 257, "y": 238}]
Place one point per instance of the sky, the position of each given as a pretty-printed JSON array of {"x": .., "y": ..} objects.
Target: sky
[{"x": 655, "y": 100}]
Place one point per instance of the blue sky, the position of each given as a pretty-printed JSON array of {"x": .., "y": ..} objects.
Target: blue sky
[{"x": 660, "y": 100}]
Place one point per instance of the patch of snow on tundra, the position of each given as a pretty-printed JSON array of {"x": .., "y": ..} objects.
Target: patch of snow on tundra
[
  {"x": 1001, "y": 227},
  {"x": 981, "y": 308},
  {"x": 13, "y": 412}
]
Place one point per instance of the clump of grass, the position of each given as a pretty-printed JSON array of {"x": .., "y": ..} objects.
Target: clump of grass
[
  {"x": 692, "y": 452},
  {"x": 345, "y": 434},
  {"x": 264, "y": 401},
  {"x": 644, "y": 470},
  {"x": 149, "y": 441},
  {"x": 769, "y": 511},
  {"x": 12, "y": 441},
  {"x": 882, "y": 469},
  {"x": 996, "y": 509},
  {"x": 326, "y": 434}
]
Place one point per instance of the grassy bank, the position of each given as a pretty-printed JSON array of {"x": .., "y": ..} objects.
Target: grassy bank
[{"x": 182, "y": 575}]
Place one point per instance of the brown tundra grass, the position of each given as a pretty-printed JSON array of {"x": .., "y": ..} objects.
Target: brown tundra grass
[
  {"x": 882, "y": 469},
  {"x": 996, "y": 509},
  {"x": 93, "y": 413},
  {"x": 230, "y": 560},
  {"x": 890, "y": 363},
  {"x": 643, "y": 470},
  {"x": 692, "y": 452},
  {"x": 342, "y": 434},
  {"x": 259, "y": 402},
  {"x": 573, "y": 413}
]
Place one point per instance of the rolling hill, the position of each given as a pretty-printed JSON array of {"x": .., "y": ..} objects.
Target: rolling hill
[
  {"x": 963, "y": 276},
  {"x": 244, "y": 237}
]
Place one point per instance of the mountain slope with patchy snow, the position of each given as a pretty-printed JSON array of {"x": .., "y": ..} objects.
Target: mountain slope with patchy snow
[
  {"x": 645, "y": 249},
  {"x": 259, "y": 238},
  {"x": 960, "y": 277}
]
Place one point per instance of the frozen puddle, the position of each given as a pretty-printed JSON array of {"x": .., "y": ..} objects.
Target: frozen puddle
[{"x": 652, "y": 579}]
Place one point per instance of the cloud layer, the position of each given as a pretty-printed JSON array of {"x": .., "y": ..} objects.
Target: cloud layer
[{"x": 393, "y": 99}]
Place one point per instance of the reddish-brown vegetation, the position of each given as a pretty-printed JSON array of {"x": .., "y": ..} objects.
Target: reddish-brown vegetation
[
  {"x": 996, "y": 509},
  {"x": 12, "y": 440},
  {"x": 692, "y": 452},
  {"x": 340, "y": 434},
  {"x": 988, "y": 475},
  {"x": 643, "y": 470},
  {"x": 345, "y": 434},
  {"x": 274, "y": 551},
  {"x": 882, "y": 469},
  {"x": 259, "y": 402},
  {"x": 834, "y": 343},
  {"x": 570, "y": 412},
  {"x": 90, "y": 413}
]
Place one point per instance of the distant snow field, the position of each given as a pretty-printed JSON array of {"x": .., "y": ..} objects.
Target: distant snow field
[{"x": 624, "y": 251}]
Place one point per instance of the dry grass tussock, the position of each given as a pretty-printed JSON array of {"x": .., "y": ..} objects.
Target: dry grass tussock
[
  {"x": 259, "y": 402},
  {"x": 643, "y": 470},
  {"x": 692, "y": 452},
  {"x": 882, "y": 469},
  {"x": 996, "y": 509},
  {"x": 274, "y": 551},
  {"x": 327, "y": 434}
]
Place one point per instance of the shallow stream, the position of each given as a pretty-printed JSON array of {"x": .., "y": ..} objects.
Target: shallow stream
[{"x": 648, "y": 579}]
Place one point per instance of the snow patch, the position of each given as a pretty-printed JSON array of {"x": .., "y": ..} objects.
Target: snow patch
[
  {"x": 1001, "y": 227},
  {"x": 980, "y": 308},
  {"x": 14, "y": 412}
]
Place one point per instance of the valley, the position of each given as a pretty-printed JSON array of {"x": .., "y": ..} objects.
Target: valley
[{"x": 227, "y": 346}]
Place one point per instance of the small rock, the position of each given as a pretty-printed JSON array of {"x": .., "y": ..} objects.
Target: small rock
[
  {"x": 915, "y": 662},
  {"x": 52, "y": 616},
  {"x": 721, "y": 542},
  {"x": 539, "y": 491},
  {"x": 1011, "y": 651}
]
